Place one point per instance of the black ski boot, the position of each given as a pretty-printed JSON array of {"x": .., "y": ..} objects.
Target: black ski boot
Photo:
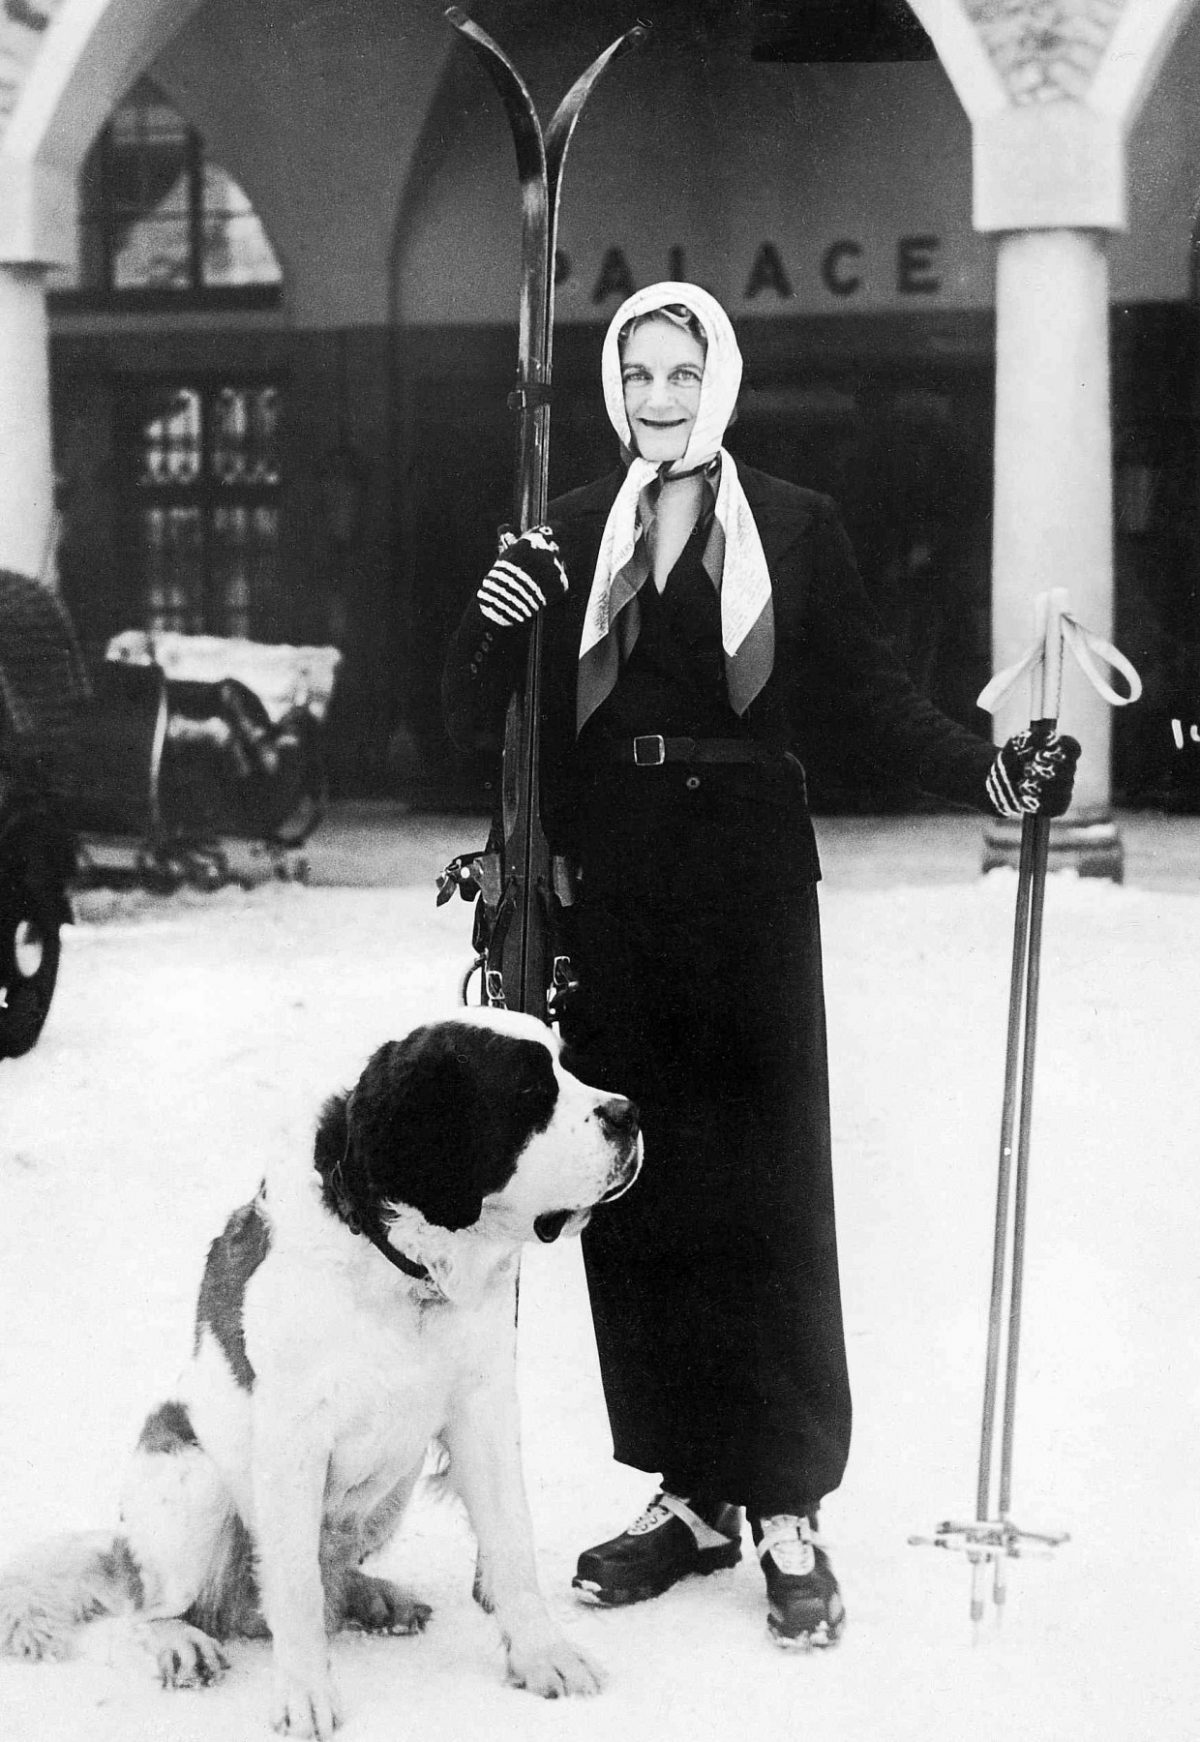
[
  {"x": 666, "y": 1543},
  {"x": 805, "y": 1607}
]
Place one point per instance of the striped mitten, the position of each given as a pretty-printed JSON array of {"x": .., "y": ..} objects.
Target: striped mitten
[{"x": 524, "y": 578}]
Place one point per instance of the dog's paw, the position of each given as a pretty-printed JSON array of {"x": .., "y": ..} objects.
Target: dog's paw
[
  {"x": 553, "y": 1668},
  {"x": 38, "y": 1638},
  {"x": 305, "y": 1709},
  {"x": 378, "y": 1606},
  {"x": 186, "y": 1657}
]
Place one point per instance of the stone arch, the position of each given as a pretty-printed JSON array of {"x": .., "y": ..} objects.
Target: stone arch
[{"x": 91, "y": 52}]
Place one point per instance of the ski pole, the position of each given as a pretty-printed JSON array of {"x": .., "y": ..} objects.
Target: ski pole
[
  {"x": 1035, "y": 830},
  {"x": 1038, "y": 829},
  {"x": 1017, "y": 1101},
  {"x": 989, "y": 1538},
  {"x": 1008, "y": 1123}
]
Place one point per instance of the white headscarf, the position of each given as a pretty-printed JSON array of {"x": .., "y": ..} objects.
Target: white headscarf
[{"x": 734, "y": 555}]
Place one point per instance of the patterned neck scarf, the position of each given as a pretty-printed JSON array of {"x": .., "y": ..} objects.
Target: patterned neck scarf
[{"x": 733, "y": 555}]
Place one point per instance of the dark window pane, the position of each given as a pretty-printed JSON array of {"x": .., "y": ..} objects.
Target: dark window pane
[
  {"x": 264, "y": 435},
  {"x": 173, "y": 566},
  {"x": 171, "y": 442},
  {"x": 245, "y": 569},
  {"x": 205, "y": 476},
  {"x": 229, "y": 436},
  {"x": 264, "y": 572},
  {"x": 231, "y": 570},
  {"x": 140, "y": 185},
  {"x": 144, "y": 117},
  {"x": 245, "y": 423},
  {"x": 236, "y": 249},
  {"x": 154, "y": 254}
]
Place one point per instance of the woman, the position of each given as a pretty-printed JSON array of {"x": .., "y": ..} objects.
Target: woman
[{"x": 709, "y": 634}]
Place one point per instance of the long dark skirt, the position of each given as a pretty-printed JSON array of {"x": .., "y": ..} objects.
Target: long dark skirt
[{"x": 714, "y": 1282}]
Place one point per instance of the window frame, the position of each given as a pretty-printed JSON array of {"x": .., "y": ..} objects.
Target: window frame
[
  {"x": 134, "y": 393},
  {"x": 152, "y": 299}
]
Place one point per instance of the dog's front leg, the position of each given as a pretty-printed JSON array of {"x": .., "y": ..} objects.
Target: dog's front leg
[
  {"x": 484, "y": 1441},
  {"x": 291, "y": 1466}
]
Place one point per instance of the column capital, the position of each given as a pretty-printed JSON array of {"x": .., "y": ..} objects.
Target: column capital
[
  {"x": 1051, "y": 87},
  {"x": 1053, "y": 166}
]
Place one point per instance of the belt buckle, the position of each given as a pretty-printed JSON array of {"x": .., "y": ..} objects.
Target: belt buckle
[{"x": 649, "y": 751}]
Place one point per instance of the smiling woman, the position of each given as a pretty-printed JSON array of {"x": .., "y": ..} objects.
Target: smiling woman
[
  {"x": 662, "y": 367},
  {"x": 662, "y": 374},
  {"x": 714, "y": 633}
]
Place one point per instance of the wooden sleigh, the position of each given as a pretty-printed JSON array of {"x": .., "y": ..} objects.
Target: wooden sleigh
[{"x": 161, "y": 756}]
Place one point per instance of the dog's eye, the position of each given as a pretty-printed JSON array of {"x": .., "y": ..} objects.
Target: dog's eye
[{"x": 536, "y": 1102}]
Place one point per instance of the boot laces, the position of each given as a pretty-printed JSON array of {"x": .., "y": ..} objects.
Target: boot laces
[
  {"x": 655, "y": 1515},
  {"x": 788, "y": 1539}
]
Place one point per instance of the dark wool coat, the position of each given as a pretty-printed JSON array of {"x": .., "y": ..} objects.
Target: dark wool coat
[{"x": 714, "y": 1283}]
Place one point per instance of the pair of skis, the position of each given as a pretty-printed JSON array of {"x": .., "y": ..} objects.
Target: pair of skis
[
  {"x": 992, "y": 1538},
  {"x": 519, "y": 964}
]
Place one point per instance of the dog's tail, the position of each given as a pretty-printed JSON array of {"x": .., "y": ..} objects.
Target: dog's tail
[{"x": 51, "y": 1589}]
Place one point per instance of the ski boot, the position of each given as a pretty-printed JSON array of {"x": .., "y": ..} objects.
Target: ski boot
[
  {"x": 805, "y": 1607},
  {"x": 669, "y": 1541}
]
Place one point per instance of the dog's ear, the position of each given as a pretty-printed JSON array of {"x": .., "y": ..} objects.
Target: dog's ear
[
  {"x": 420, "y": 1131},
  {"x": 329, "y": 1151}
]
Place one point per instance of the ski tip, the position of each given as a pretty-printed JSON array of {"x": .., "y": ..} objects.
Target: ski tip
[{"x": 456, "y": 16}]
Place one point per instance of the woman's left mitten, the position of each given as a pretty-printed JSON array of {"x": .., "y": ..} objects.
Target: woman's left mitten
[
  {"x": 526, "y": 577},
  {"x": 1032, "y": 776}
]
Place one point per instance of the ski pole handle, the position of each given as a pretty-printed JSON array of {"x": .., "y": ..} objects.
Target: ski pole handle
[
  {"x": 1049, "y": 610},
  {"x": 1044, "y": 660}
]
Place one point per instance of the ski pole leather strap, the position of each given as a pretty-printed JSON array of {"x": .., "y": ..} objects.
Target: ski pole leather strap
[
  {"x": 651, "y": 750},
  {"x": 1086, "y": 646}
]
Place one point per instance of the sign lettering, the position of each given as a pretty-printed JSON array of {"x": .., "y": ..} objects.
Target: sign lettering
[
  {"x": 836, "y": 275},
  {"x": 914, "y": 266},
  {"x": 767, "y": 273},
  {"x": 615, "y": 277},
  {"x": 842, "y": 270}
]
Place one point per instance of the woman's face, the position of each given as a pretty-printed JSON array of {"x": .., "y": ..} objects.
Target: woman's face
[{"x": 662, "y": 366}]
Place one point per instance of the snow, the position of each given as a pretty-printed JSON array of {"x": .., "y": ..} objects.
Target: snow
[{"x": 194, "y": 1036}]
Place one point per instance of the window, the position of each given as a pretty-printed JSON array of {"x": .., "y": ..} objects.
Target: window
[
  {"x": 203, "y": 498},
  {"x": 160, "y": 220}
]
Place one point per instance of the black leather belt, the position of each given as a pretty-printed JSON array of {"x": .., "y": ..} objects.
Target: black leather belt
[{"x": 651, "y": 750}]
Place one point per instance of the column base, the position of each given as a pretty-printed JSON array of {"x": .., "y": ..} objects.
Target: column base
[{"x": 1093, "y": 848}]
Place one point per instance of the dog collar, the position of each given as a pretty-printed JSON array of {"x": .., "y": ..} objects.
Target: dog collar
[
  {"x": 371, "y": 1227},
  {"x": 380, "y": 1241},
  {"x": 375, "y": 1234}
]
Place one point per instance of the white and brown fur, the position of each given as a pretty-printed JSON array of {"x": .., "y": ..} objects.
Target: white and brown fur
[{"x": 321, "y": 1374}]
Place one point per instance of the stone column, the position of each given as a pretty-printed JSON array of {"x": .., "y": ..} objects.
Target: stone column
[
  {"x": 26, "y": 468},
  {"x": 1052, "y": 524},
  {"x": 1051, "y": 87}
]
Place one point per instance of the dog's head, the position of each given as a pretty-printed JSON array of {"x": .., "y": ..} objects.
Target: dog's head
[{"x": 474, "y": 1123}]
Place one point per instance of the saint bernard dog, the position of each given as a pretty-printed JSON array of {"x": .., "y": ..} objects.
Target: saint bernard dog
[{"x": 356, "y": 1312}]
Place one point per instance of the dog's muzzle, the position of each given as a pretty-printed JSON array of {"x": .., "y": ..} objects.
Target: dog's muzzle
[
  {"x": 630, "y": 1167},
  {"x": 618, "y": 1118}
]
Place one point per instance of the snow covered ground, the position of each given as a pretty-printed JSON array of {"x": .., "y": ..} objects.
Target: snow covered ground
[{"x": 193, "y": 1036}]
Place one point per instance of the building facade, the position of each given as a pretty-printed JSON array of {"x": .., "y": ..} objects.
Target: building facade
[{"x": 281, "y": 325}]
